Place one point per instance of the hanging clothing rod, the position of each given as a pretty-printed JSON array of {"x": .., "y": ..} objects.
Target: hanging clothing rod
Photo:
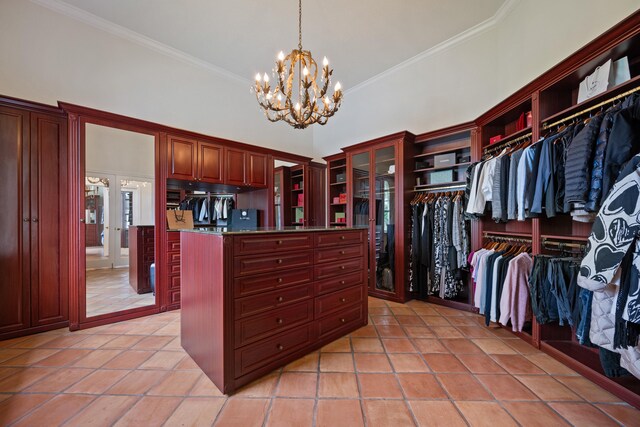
[
  {"x": 562, "y": 245},
  {"x": 509, "y": 143},
  {"x": 501, "y": 238},
  {"x": 586, "y": 110},
  {"x": 449, "y": 187}
]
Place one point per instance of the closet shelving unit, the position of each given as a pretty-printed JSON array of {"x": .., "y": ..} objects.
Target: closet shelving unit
[
  {"x": 297, "y": 180},
  {"x": 552, "y": 98},
  {"x": 282, "y": 196},
  {"x": 179, "y": 195},
  {"x": 336, "y": 185},
  {"x": 456, "y": 140}
]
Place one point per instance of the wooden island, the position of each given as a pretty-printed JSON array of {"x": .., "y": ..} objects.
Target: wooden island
[{"x": 253, "y": 301}]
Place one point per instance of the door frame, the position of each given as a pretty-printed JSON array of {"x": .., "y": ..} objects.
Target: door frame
[{"x": 78, "y": 118}]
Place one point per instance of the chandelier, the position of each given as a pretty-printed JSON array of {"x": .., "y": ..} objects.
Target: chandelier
[{"x": 298, "y": 72}]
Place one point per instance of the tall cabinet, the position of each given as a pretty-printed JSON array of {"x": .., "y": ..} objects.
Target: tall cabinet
[
  {"x": 33, "y": 288},
  {"x": 379, "y": 188}
]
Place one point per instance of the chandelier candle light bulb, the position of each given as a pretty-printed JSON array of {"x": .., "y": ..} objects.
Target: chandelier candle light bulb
[{"x": 305, "y": 84}]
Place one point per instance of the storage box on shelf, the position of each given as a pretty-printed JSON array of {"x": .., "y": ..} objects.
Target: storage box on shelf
[
  {"x": 442, "y": 158},
  {"x": 337, "y": 189}
]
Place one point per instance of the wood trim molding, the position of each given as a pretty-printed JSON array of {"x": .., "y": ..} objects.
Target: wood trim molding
[
  {"x": 152, "y": 127},
  {"x": 404, "y": 135},
  {"x": 450, "y": 130}
]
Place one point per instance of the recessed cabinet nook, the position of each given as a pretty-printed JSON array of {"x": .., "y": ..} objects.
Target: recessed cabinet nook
[{"x": 284, "y": 251}]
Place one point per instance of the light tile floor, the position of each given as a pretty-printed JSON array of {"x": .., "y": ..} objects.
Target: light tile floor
[
  {"x": 414, "y": 364},
  {"x": 108, "y": 291}
]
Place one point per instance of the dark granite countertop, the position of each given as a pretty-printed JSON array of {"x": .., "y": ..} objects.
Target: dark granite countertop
[{"x": 294, "y": 229}]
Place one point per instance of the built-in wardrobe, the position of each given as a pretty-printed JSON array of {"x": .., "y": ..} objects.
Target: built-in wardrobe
[
  {"x": 531, "y": 118},
  {"x": 34, "y": 285}
]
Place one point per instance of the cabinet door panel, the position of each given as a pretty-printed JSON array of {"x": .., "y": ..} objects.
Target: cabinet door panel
[
  {"x": 14, "y": 264},
  {"x": 257, "y": 170},
  {"x": 236, "y": 165},
  {"x": 182, "y": 158},
  {"x": 49, "y": 289},
  {"x": 210, "y": 163}
]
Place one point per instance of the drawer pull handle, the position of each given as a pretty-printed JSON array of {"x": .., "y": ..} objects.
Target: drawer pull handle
[
  {"x": 342, "y": 282},
  {"x": 342, "y": 237},
  {"x": 279, "y": 242},
  {"x": 342, "y": 267},
  {"x": 279, "y": 321},
  {"x": 279, "y": 261},
  {"x": 280, "y": 347},
  {"x": 343, "y": 320},
  {"x": 279, "y": 279},
  {"x": 341, "y": 252},
  {"x": 280, "y": 299},
  {"x": 343, "y": 300}
]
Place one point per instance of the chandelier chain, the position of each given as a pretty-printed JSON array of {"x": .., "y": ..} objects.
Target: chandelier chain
[{"x": 300, "y": 24}]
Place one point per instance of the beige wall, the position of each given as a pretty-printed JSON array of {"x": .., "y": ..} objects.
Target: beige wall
[
  {"x": 46, "y": 56},
  {"x": 466, "y": 79}
]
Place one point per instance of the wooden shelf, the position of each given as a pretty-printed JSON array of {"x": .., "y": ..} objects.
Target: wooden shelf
[
  {"x": 338, "y": 204},
  {"x": 614, "y": 91},
  {"x": 441, "y": 151},
  {"x": 295, "y": 207},
  {"x": 338, "y": 167},
  {"x": 564, "y": 237},
  {"x": 507, "y": 233},
  {"x": 457, "y": 165},
  {"x": 508, "y": 138},
  {"x": 337, "y": 223},
  {"x": 338, "y": 183},
  {"x": 297, "y": 189},
  {"x": 443, "y": 184}
]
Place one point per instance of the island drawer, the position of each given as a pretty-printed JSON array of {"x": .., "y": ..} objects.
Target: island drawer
[
  {"x": 257, "y": 327},
  {"x": 324, "y": 271},
  {"x": 340, "y": 321},
  {"x": 337, "y": 301},
  {"x": 251, "y": 264},
  {"x": 256, "y": 304},
  {"x": 340, "y": 282},
  {"x": 338, "y": 253},
  {"x": 267, "y": 243},
  {"x": 262, "y": 353},
  {"x": 251, "y": 285},
  {"x": 335, "y": 238}
]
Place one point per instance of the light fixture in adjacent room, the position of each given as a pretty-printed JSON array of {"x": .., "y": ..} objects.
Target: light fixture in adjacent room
[{"x": 298, "y": 72}]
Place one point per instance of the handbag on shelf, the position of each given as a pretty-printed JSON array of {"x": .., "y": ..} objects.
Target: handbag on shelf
[
  {"x": 179, "y": 220},
  {"x": 604, "y": 77}
]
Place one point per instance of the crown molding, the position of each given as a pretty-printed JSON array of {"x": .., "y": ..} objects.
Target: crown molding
[
  {"x": 474, "y": 31},
  {"x": 92, "y": 20}
]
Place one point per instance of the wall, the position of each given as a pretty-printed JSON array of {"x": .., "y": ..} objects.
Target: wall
[
  {"x": 459, "y": 82},
  {"x": 126, "y": 155},
  {"x": 48, "y": 57}
]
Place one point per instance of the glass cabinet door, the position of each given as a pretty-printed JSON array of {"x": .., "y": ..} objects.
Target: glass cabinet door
[
  {"x": 385, "y": 218},
  {"x": 361, "y": 189}
]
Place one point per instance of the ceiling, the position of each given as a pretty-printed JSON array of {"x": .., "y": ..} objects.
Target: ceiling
[{"x": 361, "y": 38}]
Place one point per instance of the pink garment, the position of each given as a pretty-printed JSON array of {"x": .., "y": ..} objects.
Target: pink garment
[{"x": 514, "y": 302}]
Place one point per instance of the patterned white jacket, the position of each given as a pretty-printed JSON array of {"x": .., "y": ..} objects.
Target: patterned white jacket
[{"x": 615, "y": 232}]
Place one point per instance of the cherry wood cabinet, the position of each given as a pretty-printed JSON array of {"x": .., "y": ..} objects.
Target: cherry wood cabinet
[
  {"x": 141, "y": 256},
  {"x": 33, "y": 288},
  {"x": 245, "y": 168},
  {"x": 378, "y": 195},
  {"x": 257, "y": 301},
  {"x": 194, "y": 160},
  {"x": 210, "y": 163}
]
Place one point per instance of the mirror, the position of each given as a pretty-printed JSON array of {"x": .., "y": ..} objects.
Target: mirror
[
  {"x": 288, "y": 193},
  {"x": 119, "y": 220}
]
